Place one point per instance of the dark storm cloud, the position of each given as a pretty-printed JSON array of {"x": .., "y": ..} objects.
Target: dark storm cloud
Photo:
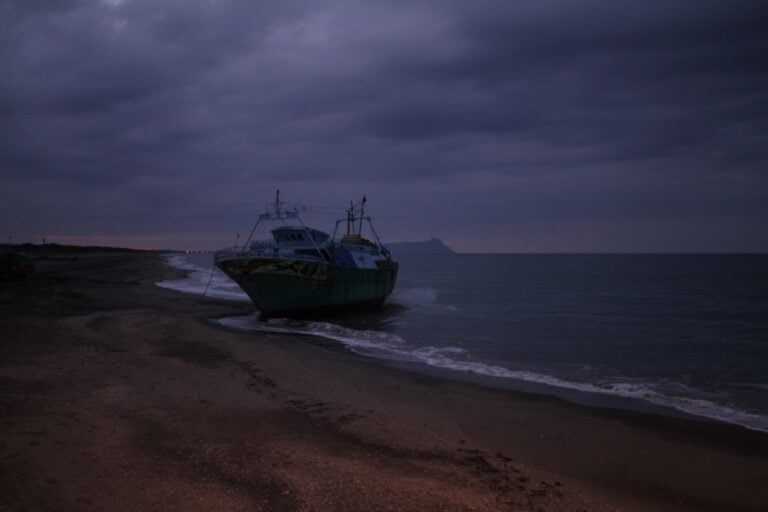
[
  {"x": 648, "y": 77},
  {"x": 484, "y": 120}
]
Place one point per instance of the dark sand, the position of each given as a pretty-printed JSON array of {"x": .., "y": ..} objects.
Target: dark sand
[{"x": 119, "y": 395}]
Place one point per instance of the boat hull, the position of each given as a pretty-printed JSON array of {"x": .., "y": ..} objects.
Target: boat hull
[{"x": 284, "y": 287}]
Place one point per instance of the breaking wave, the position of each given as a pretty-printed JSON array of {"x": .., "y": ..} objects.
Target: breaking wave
[
  {"x": 201, "y": 280},
  {"x": 413, "y": 296},
  {"x": 385, "y": 344},
  {"x": 392, "y": 347}
]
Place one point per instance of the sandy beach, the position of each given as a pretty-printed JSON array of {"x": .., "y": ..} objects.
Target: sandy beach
[{"x": 116, "y": 394}]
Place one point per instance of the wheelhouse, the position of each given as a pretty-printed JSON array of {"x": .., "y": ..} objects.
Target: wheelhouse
[{"x": 299, "y": 236}]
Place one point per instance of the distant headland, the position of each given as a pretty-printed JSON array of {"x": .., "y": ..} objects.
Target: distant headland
[{"x": 431, "y": 246}]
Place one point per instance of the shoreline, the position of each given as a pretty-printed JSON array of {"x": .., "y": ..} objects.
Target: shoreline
[
  {"x": 579, "y": 393},
  {"x": 121, "y": 395},
  {"x": 568, "y": 395}
]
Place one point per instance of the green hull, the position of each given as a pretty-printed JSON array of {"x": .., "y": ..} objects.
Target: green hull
[{"x": 295, "y": 287}]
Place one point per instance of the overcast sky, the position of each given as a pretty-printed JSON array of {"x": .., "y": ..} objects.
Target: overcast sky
[{"x": 498, "y": 126}]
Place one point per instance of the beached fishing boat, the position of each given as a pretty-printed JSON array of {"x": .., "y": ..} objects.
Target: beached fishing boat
[{"x": 302, "y": 270}]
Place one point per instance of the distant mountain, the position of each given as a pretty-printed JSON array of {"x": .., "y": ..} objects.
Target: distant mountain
[{"x": 431, "y": 246}]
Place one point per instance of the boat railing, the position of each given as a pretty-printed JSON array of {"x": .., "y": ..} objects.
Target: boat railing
[
  {"x": 263, "y": 249},
  {"x": 255, "y": 248},
  {"x": 229, "y": 252}
]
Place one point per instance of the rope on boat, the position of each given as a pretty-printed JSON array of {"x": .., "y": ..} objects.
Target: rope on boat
[{"x": 213, "y": 269}]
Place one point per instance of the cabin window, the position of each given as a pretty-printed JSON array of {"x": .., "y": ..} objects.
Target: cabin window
[{"x": 285, "y": 237}]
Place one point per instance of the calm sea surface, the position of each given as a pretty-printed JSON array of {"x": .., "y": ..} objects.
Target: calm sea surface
[{"x": 685, "y": 333}]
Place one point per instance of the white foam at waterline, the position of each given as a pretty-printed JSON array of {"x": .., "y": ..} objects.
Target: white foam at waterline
[
  {"x": 390, "y": 346},
  {"x": 413, "y": 296},
  {"x": 762, "y": 386},
  {"x": 421, "y": 297},
  {"x": 427, "y": 352},
  {"x": 645, "y": 392},
  {"x": 180, "y": 262},
  {"x": 355, "y": 339},
  {"x": 198, "y": 280}
]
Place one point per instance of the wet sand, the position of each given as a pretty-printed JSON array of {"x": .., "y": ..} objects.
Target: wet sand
[{"x": 119, "y": 395}]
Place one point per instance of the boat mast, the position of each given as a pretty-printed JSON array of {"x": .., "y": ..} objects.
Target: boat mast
[
  {"x": 278, "y": 208},
  {"x": 350, "y": 218},
  {"x": 362, "y": 213}
]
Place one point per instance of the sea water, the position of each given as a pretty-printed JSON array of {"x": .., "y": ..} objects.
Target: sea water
[{"x": 685, "y": 333}]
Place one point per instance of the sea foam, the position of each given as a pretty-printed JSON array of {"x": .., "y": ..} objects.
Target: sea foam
[
  {"x": 200, "y": 280},
  {"x": 387, "y": 345},
  {"x": 391, "y": 347}
]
